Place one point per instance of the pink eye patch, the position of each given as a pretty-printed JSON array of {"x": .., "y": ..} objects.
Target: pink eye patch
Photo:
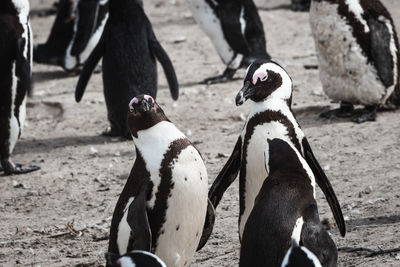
[{"x": 260, "y": 75}]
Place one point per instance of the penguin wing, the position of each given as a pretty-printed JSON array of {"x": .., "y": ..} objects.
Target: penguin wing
[
  {"x": 380, "y": 50},
  {"x": 89, "y": 66},
  {"x": 227, "y": 175},
  {"x": 88, "y": 13},
  {"x": 166, "y": 63},
  {"x": 208, "y": 225},
  {"x": 317, "y": 240},
  {"x": 325, "y": 185},
  {"x": 23, "y": 68},
  {"x": 230, "y": 13},
  {"x": 137, "y": 219}
]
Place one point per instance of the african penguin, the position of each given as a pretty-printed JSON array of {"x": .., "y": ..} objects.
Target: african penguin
[
  {"x": 300, "y": 256},
  {"x": 15, "y": 78},
  {"x": 75, "y": 32},
  {"x": 134, "y": 258},
  {"x": 358, "y": 54},
  {"x": 128, "y": 47},
  {"x": 163, "y": 206},
  {"x": 285, "y": 209},
  {"x": 236, "y": 30},
  {"x": 269, "y": 89}
]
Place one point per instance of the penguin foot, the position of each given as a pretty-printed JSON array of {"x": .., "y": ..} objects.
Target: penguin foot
[
  {"x": 346, "y": 110},
  {"x": 366, "y": 114},
  {"x": 226, "y": 76},
  {"x": 10, "y": 168},
  {"x": 111, "y": 132}
]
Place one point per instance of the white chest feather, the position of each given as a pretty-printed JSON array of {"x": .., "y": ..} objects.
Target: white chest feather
[
  {"x": 211, "y": 25},
  {"x": 153, "y": 143},
  {"x": 186, "y": 211},
  {"x": 124, "y": 230},
  {"x": 344, "y": 71}
]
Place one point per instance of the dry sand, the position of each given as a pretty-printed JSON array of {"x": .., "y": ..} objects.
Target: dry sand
[{"x": 83, "y": 173}]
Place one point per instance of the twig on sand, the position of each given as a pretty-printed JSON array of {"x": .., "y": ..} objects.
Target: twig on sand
[{"x": 372, "y": 252}]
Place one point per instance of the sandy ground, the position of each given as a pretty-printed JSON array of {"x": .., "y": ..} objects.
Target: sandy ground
[{"x": 83, "y": 173}]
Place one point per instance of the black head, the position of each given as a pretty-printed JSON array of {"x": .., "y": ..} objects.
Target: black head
[
  {"x": 300, "y": 257},
  {"x": 143, "y": 113},
  {"x": 135, "y": 258},
  {"x": 262, "y": 79}
]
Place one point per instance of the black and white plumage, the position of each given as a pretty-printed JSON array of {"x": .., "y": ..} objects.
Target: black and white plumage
[
  {"x": 76, "y": 31},
  {"x": 269, "y": 89},
  {"x": 163, "y": 206},
  {"x": 285, "y": 209},
  {"x": 129, "y": 50},
  {"x": 236, "y": 30},
  {"x": 135, "y": 258},
  {"x": 300, "y": 256},
  {"x": 358, "y": 54},
  {"x": 15, "y": 78}
]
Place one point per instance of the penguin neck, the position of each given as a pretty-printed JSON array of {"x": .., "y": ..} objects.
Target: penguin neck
[{"x": 277, "y": 101}]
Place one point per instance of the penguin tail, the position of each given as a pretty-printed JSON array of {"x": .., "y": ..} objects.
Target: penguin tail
[
  {"x": 166, "y": 63},
  {"x": 88, "y": 68}
]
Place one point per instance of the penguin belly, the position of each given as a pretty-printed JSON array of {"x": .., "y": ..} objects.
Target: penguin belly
[
  {"x": 186, "y": 210},
  {"x": 345, "y": 73},
  {"x": 205, "y": 16},
  {"x": 255, "y": 165}
]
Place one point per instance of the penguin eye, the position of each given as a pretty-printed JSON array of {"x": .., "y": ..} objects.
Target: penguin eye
[{"x": 264, "y": 78}]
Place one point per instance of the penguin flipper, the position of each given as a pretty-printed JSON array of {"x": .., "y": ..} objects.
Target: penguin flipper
[
  {"x": 208, "y": 225},
  {"x": 166, "y": 63},
  {"x": 86, "y": 25},
  {"x": 317, "y": 240},
  {"x": 138, "y": 221},
  {"x": 227, "y": 175},
  {"x": 229, "y": 14},
  {"x": 380, "y": 50},
  {"x": 88, "y": 68},
  {"x": 325, "y": 185},
  {"x": 23, "y": 68}
]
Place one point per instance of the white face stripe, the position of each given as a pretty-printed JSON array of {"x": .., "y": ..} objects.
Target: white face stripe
[
  {"x": 124, "y": 230},
  {"x": 296, "y": 234},
  {"x": 311, "y": 256}
]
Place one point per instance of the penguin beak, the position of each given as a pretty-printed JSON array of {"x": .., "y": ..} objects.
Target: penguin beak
[
  {"x": 145, "y": 106},
  {"x": 244, "y": 93}
]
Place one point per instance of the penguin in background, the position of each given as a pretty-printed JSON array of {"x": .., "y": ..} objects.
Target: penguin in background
[
  {"x": 269, "y": 89},
  {"x": 135, "y": 258},
  {"x": 163, "y": 206},
  {"x": 300, "y": 256},
  {"x": 15, "y": 78},
  {"x": 358, "y": 55},
  {"x": 236, "y": 30},
  {"x": 76, "y": 31},
  {"x": 129, "y": 50},
  {"x": 285, "y": 209}
]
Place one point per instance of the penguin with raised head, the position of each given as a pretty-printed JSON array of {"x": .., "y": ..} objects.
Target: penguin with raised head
[
  {"x": 236, "y": 30},
  {"x": 300, "y": 256},
  {"x": 163, "y": 206},
  {"x": 358, "y": 55},
  {"x": 269, "y": 88},
  {"x": 15, "y": 78},
  {"x": 134, "y": 258},
  {"x": 129, "y": 50},
  {"x": 285, "y": 209},
  {"x": 76, "y": 30}
]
